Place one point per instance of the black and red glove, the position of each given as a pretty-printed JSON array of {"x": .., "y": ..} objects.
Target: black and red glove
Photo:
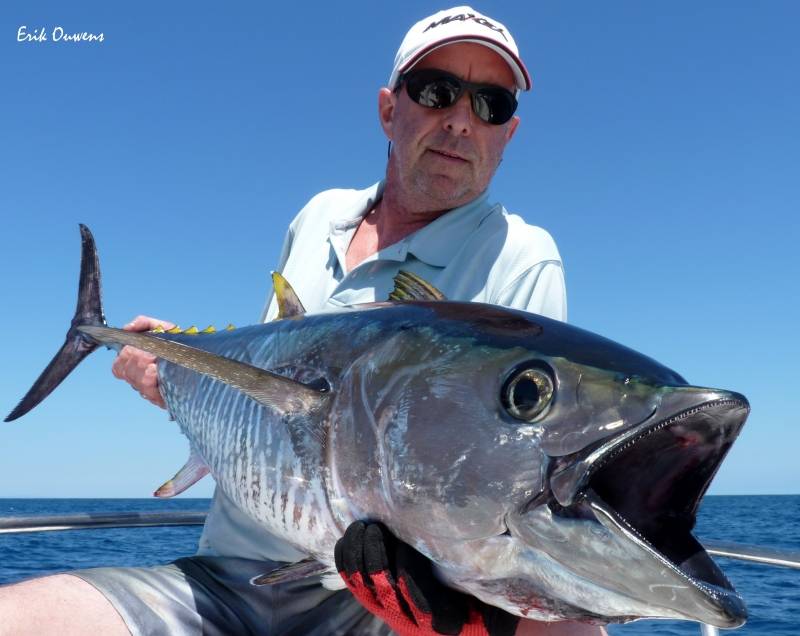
[{"x": 397, "y": 584}]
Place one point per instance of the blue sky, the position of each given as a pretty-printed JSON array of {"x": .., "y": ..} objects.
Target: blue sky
[{"x": 659, "y": 147}]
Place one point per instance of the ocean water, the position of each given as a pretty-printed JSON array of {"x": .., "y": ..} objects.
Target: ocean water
[
  {"x": 31, "y": 554},
  {"x": 772, "y": 593}
]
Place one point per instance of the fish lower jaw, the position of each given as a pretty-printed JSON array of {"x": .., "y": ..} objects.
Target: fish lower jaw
[
  {"x": 602, "y": 569},
  {"x": 714, "y": 600}
]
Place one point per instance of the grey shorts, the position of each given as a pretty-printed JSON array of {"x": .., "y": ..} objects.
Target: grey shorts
[{"x": 213, "y": 596}]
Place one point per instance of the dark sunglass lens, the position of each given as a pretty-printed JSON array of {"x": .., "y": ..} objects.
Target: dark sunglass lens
[
  {"x": 494, "y": 106},
  {"x": 433, "y": 92},
  {"x": 433, "y": 88}
]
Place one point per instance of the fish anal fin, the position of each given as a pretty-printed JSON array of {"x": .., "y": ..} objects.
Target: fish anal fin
[
  {"x": 193, "y": 471},
  {"x": 292, "y": 572},
  {"x": 408, "y": 286},
  {"x": 289, "y": 305}
]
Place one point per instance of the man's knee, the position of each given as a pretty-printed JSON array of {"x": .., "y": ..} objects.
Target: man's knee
[{"x": 58, "y": 604}]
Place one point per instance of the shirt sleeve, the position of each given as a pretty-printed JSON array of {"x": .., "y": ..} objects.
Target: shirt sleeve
[{"x": 540, "y": 290}]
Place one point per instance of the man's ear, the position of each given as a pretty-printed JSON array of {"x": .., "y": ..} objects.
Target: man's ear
[
  {"x": 512, "y": 127},
  {"x": 386, "y": 104}
]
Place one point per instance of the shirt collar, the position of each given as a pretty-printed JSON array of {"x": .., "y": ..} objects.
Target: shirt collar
[
  {"x": 342, "y": 228},
  {"x": 435, "y": 244}
]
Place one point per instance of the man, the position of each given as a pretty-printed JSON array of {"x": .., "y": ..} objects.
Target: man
[{"x": 448, "y": 112}]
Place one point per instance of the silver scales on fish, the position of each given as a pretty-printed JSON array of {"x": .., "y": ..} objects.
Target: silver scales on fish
[{"x": 542, "y": 468}]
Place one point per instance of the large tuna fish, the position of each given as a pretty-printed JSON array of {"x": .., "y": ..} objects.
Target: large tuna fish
[{"x": 544, "y": 469}]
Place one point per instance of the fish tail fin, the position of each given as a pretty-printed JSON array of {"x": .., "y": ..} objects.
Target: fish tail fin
[{"x": 78, "y": 344}]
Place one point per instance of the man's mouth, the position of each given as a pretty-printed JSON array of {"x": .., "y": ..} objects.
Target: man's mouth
[{"x": 449, "y": 154}]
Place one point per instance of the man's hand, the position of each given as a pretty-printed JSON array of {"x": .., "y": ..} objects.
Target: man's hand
[
  {"x": 397, "y": 584},
  {"x": 137, "y": 367}
]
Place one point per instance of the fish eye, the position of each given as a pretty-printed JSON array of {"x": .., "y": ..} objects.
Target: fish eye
[
  {"x": 527, "y": 392},
  {"x": 320, "y": 384}
]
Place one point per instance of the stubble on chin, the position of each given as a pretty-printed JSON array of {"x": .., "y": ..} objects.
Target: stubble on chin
[
  {"x": 442, "y": 191},
  {"x": 439, "y": 190}
]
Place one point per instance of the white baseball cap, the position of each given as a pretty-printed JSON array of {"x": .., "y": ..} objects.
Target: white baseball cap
[{"x": 459, "y": 24}]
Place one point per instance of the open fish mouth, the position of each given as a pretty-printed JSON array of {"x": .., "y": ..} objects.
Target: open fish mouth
[{"x": 646, "y": 486}]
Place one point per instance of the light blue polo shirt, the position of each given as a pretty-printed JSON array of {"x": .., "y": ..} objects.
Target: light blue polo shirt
[{"x": 478, "y": 252}]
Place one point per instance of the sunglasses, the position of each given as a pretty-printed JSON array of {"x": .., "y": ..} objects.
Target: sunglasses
[{"x": 433, "y": 88}]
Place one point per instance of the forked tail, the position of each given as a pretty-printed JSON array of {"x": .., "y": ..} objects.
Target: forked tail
[{"x": 78, "y": 345}]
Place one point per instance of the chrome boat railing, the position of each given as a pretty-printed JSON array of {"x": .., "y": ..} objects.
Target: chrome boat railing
[
  {"x": 754, "y": 553},
  {"x": 90, "y": 520}
]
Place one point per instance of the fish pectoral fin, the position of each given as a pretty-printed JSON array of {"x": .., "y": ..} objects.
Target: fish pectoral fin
[
  {"x": 408, "y": 286},
  {"x": 282, "y": 394},
  {"x": 289, "y": 304},
  {"x": 193, "y": 471},
  {"x": 292, "y": 572}
]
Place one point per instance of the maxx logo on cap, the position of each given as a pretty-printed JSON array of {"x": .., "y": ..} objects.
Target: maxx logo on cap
[{"x": 463, "y": 17}]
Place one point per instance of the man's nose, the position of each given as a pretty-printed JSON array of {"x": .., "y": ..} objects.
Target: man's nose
[{"x": 458, "y": 118}]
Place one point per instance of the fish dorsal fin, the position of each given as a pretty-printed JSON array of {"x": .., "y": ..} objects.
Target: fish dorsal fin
[
  {"x": 275, "y": 391},
  {"x": 193, "y": 471},
  {"x": 408, "y": 286},
  {"x": 289, "y": 305}
]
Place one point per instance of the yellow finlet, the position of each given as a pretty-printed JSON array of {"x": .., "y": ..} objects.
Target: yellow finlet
[
  {"x": 175, "y": 329},
  {"x": 209, "y": 329},
  {"x": 230, "y": 327},
  {"x": 158, "y": 329},
  {"x": 191, "y": 331}
]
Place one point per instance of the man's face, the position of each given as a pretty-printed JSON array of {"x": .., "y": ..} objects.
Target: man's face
[{"x": 444, "y": 158}]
